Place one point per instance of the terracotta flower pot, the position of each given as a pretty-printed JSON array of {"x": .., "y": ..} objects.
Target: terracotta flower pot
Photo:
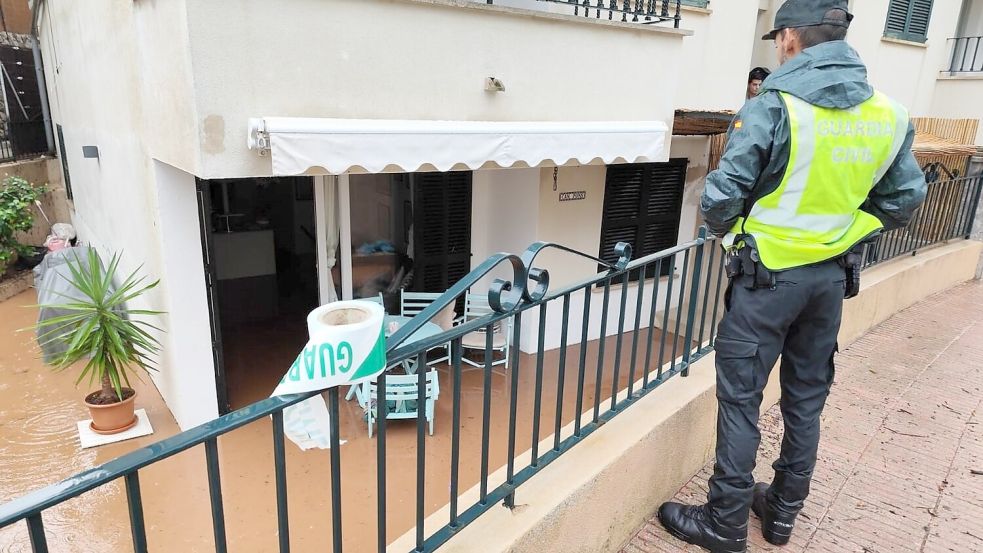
[{"x": 112, "y": 418}]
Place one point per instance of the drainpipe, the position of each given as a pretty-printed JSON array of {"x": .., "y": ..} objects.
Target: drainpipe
[{"x": 39, "y": 71}]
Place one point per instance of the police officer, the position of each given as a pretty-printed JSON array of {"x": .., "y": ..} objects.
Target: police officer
[{"x": 816, "y": 164}]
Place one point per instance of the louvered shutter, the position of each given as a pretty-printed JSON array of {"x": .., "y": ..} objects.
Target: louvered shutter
[
  {"x": 441, "y": 229},
  {"x": 642, "y": 204},
  {"x": 921, "y": 14},
  {"x": 908, "y": 19}
]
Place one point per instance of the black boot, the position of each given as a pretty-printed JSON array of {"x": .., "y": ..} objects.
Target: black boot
[
  {"x": 776, "y": 526},
  {"x": 692, "y": 524}
]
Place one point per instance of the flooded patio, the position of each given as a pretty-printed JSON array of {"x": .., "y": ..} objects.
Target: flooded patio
[{"x": 39, "y": 446}]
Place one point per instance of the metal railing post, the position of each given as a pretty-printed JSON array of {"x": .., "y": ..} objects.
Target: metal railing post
[{"x": 693, "y": 300}]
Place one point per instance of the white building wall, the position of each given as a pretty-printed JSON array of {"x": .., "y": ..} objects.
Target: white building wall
[
  {"x": 353, "y": 58},
  {"x": 716, "y": 59},
  {"x": 119, "y": 78},
  {"x": 907, "y": 71}
]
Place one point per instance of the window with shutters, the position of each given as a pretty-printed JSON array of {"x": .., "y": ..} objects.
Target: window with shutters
[
  {"x": 908, "y": 19},
  {"x": 642, "y": 204},
  {"x": 441, "y": 229}
]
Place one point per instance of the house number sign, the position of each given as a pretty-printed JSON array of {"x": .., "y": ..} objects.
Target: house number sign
[{"x": 573, "y": 196}]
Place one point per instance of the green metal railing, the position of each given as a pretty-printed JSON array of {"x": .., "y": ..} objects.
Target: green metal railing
[
  {"x": 695, "y": 299},
  {"x": 947, "y": 214}
]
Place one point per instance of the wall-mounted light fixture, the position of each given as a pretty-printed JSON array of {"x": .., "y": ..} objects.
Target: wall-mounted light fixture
[
  {"x": 90, "y": 152},
  {"x": 494, "y": 85}
]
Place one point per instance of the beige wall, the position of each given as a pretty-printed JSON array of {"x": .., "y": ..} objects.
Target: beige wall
[
  {"x": 715, "y": 61},
  {"x": 332, "y": 67},
  {"x": 960, "y": 97}
]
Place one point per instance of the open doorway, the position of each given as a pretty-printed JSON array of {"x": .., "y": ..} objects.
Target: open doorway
[
  {"x": 409, "y": 231},
  {"x": 260, "y": 241}
]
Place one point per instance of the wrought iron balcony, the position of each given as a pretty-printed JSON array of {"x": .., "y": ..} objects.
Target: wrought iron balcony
[
  {"x": 967, "y": 55},
  {"x": 645, "y": 12}
]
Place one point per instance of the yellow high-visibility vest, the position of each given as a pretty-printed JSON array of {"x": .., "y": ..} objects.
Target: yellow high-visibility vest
[{"x": 836, "y": 157}]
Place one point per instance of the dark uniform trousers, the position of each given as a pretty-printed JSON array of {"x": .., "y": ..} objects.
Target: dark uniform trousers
[{"x": 798, "y": 318}]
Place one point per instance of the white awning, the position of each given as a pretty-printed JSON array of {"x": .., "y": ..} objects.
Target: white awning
[{"x": 335, "y": 146}]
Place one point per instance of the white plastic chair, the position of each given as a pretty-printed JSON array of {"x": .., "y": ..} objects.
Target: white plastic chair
[
  {"x": 476, "y": 306},
  {"x": 400, "y": 390},
  {"x": 412, "y": 303}
]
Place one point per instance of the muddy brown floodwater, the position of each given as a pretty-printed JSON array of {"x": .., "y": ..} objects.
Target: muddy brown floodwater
[{"x": 39, "y": 446}]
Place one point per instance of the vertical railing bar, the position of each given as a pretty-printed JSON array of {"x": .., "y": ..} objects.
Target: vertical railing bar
[
  {"x": 486, "y": 411},
  {"x": 951, "y": 219},
  {"x": 694, "y": 298},
  {"x": 931, "y": 215},
  {"x": 966, "y": 228},
  {"x": 965, "y": 53},
  {"x": 965, "y": 225},
  {"x": 642, "y": 277},
  {"x": 962, "y": 209},
  {"x": 935, "y": 218},
  {"x": 677, "y": 17},
  {"x": 280, "y": 475},
  {"x": 538, "y": 394},
  {"x": 513, "y": 404},
  {"x": 456, "y": 352},
  {"x": 706, "y": 295},
  {"x": 975, "y": 52},
  {"x": 421, "y": 446},
  {"x": 665, "y": 315},
  {"x": 135, "y": 504},
  {"x": 926, "y": 218},
  {"x": 619, "y": 341},
  {"x": 977, "y": 192},
  {"x": 952, "y": 57},
  {"x": 215, "y": 494},
  {"x": 582, "y": 368},
  {"x": 381, "y": 410},
  {"x": 561, "y": 372},
  {"x": 35, "y": 532},
  {"x": 652, "y": 309},
  {"x": 335, "y": 457},
  {"x": 952, "y": 230},
  {"x": 679, "y": 308},
  {"x": 600, "y": 348}
]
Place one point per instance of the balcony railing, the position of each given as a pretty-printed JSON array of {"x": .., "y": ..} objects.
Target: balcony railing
[
  {"x": 646, "y": 12},
  {"x": 642, "y": 361},
  {"x": 947, "y": 214},
  {"x": 966, "y": 55}
]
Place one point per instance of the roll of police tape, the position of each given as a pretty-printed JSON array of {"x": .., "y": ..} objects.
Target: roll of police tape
[{"x": 347, "y": 345}]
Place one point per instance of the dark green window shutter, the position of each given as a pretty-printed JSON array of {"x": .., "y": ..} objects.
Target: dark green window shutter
[
  {"x": 441, "y": 229},
  {"x": 642, "y": 204},
  {"x": 908, "y": 19}
]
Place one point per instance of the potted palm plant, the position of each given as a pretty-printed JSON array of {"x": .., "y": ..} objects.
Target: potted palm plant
[{"x": 94, "y": 323}]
